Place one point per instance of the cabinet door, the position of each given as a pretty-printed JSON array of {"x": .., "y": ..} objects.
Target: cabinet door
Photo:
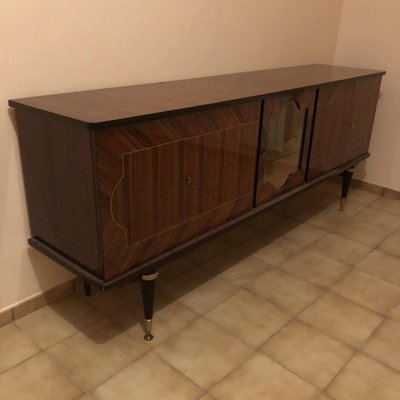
[
  {"x": 343, "y": 124},
  {"x": 167, "y": 181},
  {"x": 285, "y": 136}
]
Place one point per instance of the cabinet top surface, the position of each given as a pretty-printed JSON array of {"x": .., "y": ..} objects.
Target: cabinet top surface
[{"x": 96, "y": 108}]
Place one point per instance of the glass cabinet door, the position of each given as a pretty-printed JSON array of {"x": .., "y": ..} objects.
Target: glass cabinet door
[{"x": 284, "y": 143}]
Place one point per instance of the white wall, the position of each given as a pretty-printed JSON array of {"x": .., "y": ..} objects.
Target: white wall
[
  {"x": 369, "y": 36},
  {"x": 50, "y": 46}
]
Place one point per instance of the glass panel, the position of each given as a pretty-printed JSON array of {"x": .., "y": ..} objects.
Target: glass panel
[{"x": 283, "y": 144}]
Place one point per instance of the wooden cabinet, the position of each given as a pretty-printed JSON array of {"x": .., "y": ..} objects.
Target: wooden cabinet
[
  {"x": 119, "y": 181},
  {"x": 284, "y": 143},
  {"x": 165, "y": 182},
  {"x": 343, "y": 125}
]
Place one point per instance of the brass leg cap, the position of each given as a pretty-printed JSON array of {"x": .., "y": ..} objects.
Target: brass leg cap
[{"x": 148, "y": 337}]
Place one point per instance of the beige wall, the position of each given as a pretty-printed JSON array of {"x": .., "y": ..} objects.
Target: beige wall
[
  {"x": 369, "y": 36},
  {"x": 50, "y": 46}
]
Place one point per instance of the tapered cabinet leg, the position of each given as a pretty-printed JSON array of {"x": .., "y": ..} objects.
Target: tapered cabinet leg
[
  {"x": 347, "y": 177},
  {"x": 148, "y": 289},
  {"x": 87, "y": 288}
]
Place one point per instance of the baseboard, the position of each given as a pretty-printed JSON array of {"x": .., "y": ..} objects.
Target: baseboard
[{"x": 33, "y": 303}]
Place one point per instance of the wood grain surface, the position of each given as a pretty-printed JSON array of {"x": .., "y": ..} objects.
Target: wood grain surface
[{"x": 101, "y": 107}]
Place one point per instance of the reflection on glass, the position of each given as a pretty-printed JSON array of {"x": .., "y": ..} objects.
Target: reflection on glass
[{"x": 283, "y": 144}]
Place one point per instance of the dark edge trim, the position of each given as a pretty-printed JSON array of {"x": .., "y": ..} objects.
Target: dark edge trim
[
  {"x": 260, "y": 130},
  {"x": 160, "y": 261},
  {"x": 168, "y": 113},
  {"x": 96, "y": 195},
  {"x": 310, "y": 144},
  {"x": 67, "y": 263}
]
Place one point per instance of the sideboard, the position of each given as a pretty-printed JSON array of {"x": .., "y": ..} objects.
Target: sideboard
[{"x": 119, "y": 181}]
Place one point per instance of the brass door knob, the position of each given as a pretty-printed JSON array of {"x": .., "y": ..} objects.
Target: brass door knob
[{"x": 189, "y": 180}]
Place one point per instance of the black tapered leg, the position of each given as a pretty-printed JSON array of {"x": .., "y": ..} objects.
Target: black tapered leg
[
  {"x": 347, "y": 177},
  {"x": 148, "y": 289},
  {"x": 87, "y": 288}
]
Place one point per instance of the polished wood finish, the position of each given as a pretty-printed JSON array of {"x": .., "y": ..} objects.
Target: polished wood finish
[
  {"x": 96, "y": 108},
  {"x": 59, "y": 187},
  {"x": 273, "y": 105},
  {"x": 118, "y": 181},
  {"x": 343, "y": 125},
  {"x": 182, "y": 174}
]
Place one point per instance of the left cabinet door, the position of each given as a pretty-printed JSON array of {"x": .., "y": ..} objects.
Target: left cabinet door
[
  {"x": 167, "y": 181},
  {"x": 284, "y": 144}
]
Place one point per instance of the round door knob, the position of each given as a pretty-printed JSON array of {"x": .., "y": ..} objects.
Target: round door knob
[{"x": 189, "y": 180}]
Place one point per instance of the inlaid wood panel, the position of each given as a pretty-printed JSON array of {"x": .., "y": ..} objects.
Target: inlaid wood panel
[
  {"x": 343, "y": 126},
  {"x": 297, "y": 145},
  {"x": 166, "y": 181}
]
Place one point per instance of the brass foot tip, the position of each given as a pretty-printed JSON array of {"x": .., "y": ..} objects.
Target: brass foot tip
[
  {"x": 342, "y": 203},
  {"x": 148, "y": 337}
]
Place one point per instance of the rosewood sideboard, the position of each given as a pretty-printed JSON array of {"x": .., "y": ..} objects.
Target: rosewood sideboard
[{"x": 119, "y": 181}]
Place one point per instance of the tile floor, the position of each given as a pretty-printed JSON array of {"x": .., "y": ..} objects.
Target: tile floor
[{"x": 300, "y": 303}]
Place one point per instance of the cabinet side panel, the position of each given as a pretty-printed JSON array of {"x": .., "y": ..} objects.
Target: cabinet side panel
[
  {"x": 59, "y": 186},
  {"x": 343, "y": 125}
]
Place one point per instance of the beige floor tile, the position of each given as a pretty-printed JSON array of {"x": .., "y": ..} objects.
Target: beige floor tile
[
  {"x": 342, "y": 319},
  {"x": 37, "y": 379},
  {"x": 182, "y": 278},
  {"x": 224, "y": 261},
  {"x": 308, "y": 211},
  {"x": 362, "y": 196},
  {"x": 307, "y": 352},
  {"x": 382, "y": 265},
  {"x": 209, "y": 294},
  {"x": 395, "y": 313},
  {"x": 46, "y": 326},
  {"x": 76, "y": 312},
  {"x": 104, "y": 303},
  {"x": 249, "y": 318},
  {"x": 149, "y": 378},
  {"x": 285, "y": 290},
  {"x": 256, "y": 243},
  {"x": 362, "y": 232},
  {"x": 167, "y": 321},
  {"x": 369, "y": 291},
  {"x": 96, "y": 354},
  {"x": 316, "y": 196},
  {"x": 278, "y": 251},
  {"x": 388, "y": 205},
  {"x": 384, "y": 344},
  {"x": 331, "y": 217},
  {"x": 304, "y": 234},
  {"x": 392, "y": 244},
  {"x": 378, "y": 218},
  {"x": 322, "y": 396},
  {"x": 15, "y": 347},
  {"x": 261, "y": 378},
  {"x": 245, "y": 271},
  {"x": 315, "y": 268},
  {"x": 203, "y": 352},
  {"x": 87, "y": 396},
  {"x": 340, "y": 248},
  {"x": 207, "y": 397},
  {"x": 365, "y": 379}
]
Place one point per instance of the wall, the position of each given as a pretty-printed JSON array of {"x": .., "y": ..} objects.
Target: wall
[
  {"x": 369, "y": 37},
  {"x": 50, "y": 46}
]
